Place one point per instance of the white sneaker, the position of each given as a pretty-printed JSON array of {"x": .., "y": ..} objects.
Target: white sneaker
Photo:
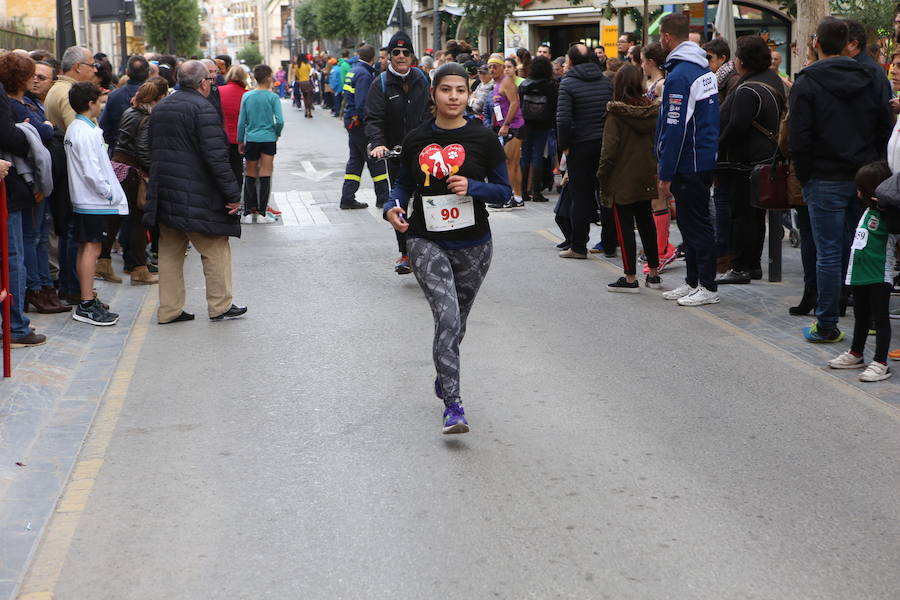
[
  {"x": 680, "y": 292},
  {"x": 875, "y": 372},
  {"x": 847, "y": 361},
  {"x": 248, "y": 219},
  {"x": 266, "y": 219},
  {"x": 699, "y": 297}
]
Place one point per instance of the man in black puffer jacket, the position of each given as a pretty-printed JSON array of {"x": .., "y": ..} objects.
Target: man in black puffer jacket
[
  {"x": 580, "y": 116},
  {"x": 398, "y": 101},
  {"x": 193, "y": 196}
]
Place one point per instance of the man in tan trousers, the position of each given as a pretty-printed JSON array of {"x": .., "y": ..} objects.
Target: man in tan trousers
[{"x": 193, "y": 196}]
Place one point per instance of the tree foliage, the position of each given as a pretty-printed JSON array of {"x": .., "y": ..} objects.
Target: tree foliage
[
  {"x": 489, "y": 15},
  {"x": 369, "y": 17},
  {"x": 250, "y": 55},
  {"x": 333, "y": 18},
  {"x": 172, "y": 23},
  {"x": 876, "y": 15},
  {"x": 305, "y": 19}
]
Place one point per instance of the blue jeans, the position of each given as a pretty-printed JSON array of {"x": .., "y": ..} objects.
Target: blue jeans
[
  {"x": 35, "y": 232},
  {"x": 68, "y": 258},
  {"x": 833, "y": 213},
  {"x": 533, "y": 149},
  {"x": 18, "y": 322}
]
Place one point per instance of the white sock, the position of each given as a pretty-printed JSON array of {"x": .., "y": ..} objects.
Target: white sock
[{"x": 517, "y": 198}]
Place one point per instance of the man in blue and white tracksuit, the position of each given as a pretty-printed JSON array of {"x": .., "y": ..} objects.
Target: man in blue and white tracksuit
[{"x": 687, "y": 138}]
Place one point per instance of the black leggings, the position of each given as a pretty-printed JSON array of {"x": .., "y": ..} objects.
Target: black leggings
[
  {"x": 627, "y": 216},
  {"x": 871, "y": 306}
]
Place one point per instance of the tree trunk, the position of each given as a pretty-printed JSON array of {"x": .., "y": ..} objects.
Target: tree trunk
[{"x": 809, "y": 13}]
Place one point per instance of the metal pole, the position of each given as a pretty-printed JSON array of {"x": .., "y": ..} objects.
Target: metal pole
[
  {"x": 123, "y": 42},
  {"x": 5, "y": 296},
  {"x": 436, "y": 22},
  {"x": 776, "y": 235},
  {"x": 644, "y": 21},
  {"x": 621, "y": 27}
]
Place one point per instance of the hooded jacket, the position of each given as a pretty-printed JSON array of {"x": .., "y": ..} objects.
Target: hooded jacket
[
  {"x": 838, "y": 120},
  {"x": 687, "y": 131},
  {"x": 581, "y": 110},
  {"x": 191, "y": 179},
  {"x": 627, "y": 171},
  {"x": 395, "y": 106},
  {"x": 93, "y": 186}
]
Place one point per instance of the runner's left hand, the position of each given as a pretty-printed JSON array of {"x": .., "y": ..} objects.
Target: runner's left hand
[
  {"x": 233, "y": 207},
  {"x": 458, "y": 185}
]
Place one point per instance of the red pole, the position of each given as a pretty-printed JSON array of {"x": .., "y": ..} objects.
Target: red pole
[{"x": 5, "y": 296}]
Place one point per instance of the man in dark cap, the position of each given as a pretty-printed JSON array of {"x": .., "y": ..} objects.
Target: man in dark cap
[{"x": 397, "y": 103}]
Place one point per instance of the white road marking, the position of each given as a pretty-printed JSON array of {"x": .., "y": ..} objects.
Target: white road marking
[{"x": 300, "y": 210}]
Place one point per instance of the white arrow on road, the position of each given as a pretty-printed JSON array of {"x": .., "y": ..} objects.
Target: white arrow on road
[{"x": 310, "y": 172}]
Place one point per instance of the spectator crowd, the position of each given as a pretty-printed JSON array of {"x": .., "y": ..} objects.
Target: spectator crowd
[{"x": 703, "y": 132}]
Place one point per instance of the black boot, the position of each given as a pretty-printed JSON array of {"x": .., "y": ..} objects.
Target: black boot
[
  {"x": 265, "y": 187},
  {"x": 807, "y": 302},
  {"x": 250, "y": 201},
  {"x": 537, "y": 179},
  {"x": 526, "y": 169}
]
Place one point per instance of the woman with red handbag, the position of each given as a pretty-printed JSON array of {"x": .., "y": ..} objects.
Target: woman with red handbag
[{"x": 750, "y": 118}]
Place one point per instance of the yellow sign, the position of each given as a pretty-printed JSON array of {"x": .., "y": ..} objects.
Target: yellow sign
[{"x": 609, "y": 35}]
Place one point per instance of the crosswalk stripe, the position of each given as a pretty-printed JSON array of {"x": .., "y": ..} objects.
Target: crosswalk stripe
[{"x": 315, "y": 211}]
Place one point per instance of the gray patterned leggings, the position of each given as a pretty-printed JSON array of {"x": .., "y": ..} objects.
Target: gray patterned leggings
[{"x": 450, "y": 280}]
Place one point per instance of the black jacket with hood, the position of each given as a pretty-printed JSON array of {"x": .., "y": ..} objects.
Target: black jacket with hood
[
  {"x": 838, "y": 120},
  {"x": 397, "y": 107},
  {"x": 581, "y": 111},
  {"x": 627, "y": 170}
]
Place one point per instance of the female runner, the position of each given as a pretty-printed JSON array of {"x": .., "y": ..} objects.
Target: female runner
[{"x": 451, "y": 168}]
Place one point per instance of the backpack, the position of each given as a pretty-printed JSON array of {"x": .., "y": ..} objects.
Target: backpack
[{"x": 535, "y": 105}]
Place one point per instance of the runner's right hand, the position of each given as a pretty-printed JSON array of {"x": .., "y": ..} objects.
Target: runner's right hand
[
  {"x": 378, "y": 151},
  {"x": 395, "y": 218}
]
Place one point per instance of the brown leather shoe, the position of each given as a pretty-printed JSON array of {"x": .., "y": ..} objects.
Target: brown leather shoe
[
  {"x": 52, "y": 298},
  {"x": 143, "y": 276},
  {"x": 38, "y": 300},
  {"x": 43, "y": 303},
  {"x": 32, "y": 339},
  {"x": 104, "y": 271}
]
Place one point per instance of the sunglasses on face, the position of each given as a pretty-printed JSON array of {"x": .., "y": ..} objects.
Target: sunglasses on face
[{"x": 401, "y": 52}]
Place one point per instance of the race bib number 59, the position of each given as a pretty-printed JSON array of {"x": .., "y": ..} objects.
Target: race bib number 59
[{"x": 449, "y": 212}]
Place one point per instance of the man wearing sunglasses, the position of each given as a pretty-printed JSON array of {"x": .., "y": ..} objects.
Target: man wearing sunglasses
[{"x": 397, "y": 103}]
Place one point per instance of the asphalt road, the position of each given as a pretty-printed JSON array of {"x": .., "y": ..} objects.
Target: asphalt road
[{"x": 621, "y": 446}]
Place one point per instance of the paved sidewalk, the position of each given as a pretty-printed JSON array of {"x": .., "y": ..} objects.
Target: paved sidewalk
[
  {"x": 46, "y": 409},
  {"x": 760, "y": 309}
]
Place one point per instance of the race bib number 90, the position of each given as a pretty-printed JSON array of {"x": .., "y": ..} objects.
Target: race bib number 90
[{"x": 448, "y": 213}]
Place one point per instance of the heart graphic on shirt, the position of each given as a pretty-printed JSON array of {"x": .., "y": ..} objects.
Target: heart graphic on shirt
[{"x": 441, "y": 162}]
